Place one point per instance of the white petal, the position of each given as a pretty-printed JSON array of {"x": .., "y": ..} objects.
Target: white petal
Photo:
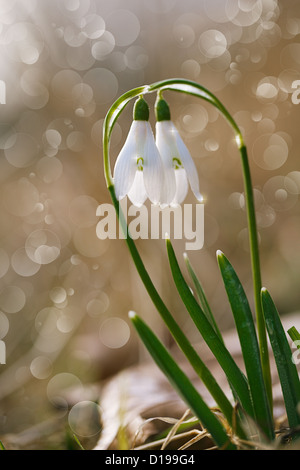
[
  {"x": 153, "y": 168},
  {"x": 137, "y": 193},
  {"x": 166, "y": 141},
  {"x": 125, "y": 167},
  {"x": 189, "y": 165},
  {"x": 181, "y": 186},
  {"x": 163, "y": 145},
  {"x": 169, "y": 186}
]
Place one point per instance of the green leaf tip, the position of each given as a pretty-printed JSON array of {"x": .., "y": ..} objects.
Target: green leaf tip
[
  {"x": 294, "y": 335},
  {"x": 132, "y": 315}
]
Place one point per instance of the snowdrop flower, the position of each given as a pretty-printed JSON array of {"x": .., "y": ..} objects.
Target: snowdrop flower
[
  {"x": 138, "y": 171},
  {"x": 180, "y": 169}
]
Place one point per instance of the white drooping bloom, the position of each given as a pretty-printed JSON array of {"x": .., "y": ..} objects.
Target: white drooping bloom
[
  {"x": 179, "y": 167},
  {"x": 138, "y": 171}
]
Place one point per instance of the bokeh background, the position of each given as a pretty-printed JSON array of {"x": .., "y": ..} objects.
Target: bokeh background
[{"x": 65, "y": 294}]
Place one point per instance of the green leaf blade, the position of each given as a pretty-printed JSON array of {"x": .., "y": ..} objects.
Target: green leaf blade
[
  {"x": 287, "y": 371},
  {"x": 234, "y": 375},
  {"x": 249, "y": 344},
  {"x": 202, "y": 297},
  {"x": 181, "y": 383}
]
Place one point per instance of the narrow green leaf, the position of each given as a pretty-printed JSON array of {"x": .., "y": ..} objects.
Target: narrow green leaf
[
  {"x": 287, "y": 371},
  {"x": 234, "y": 375},
  {"x": 249, "y": 344},
  {"x": 78, "y": 442},
  {"x": 201, "y": 296},
  {"x": 181, "y": 383}
]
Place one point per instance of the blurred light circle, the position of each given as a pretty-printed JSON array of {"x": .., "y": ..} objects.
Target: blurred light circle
[
  {"x": 114, "y": 332},
  {"x": 212, "y": 43},
  {"x": 76, "y": 141},
  {"x": 266, "y": 216},
  {"x": 103, "y": 47},
  {"x": 58, "y": 387},
  {"x": 82, "y": 211},
  {"x": 293, "y": 176},
  {"x": 184, "y": 35},
  {"x": 96, "y": 133},
  {"x": 270, "y": 151},
  {"x": 93, "y": 26},
  {"x": 73, "y": 36},
  {"x": 289, "y": 242},
  {"x": 74, "y": 8},
  {"x": 65, "y": 324},
  {"x": 268, "y": 33},
  {"x": 216, "y": 10},
  {"x": 41, "y": 367},
  {"x": 45, "y": 321},
  {"x": 4, "y": 262},
  {"x": 71, "y": 5},
  {"x": 21, "y": 150},
  {"x": 277, "y": 195},
  {"x": 53, "y": 138},
  {"x": 85, "y": 419},
  {"x": 290, "y": 56},
  {"x": 6, "y": 131},
  {"x": 80, "y": 58},
  {"x": 23, "y": 265},
  {"x": 49, "y": 169},
  {"x": 163, "y": 6},
  {"x": 286, "y": 79},
  {"x": 99, "y": 305},
  {"x": 12, "y": 299},
  {"x": 34, "y": 83},
  {"x": 4, "y": 325},
  {"x": 43, "y": 246},
  {"x": 244, "y": 12},
  {"x": 20, "y": 197},
  {"x": 87, "y": 243},
  {"x": 190, "y": 68},
  {"x": 58, "y": 295},
  {"x": 82, "y": 94},
  {"x": 211, "y": 145},
  {"x": 24, "y": 42},
  {"x": 194, "y": 118},
  {"x": 63, "y": 127},
  {"x": 266, "y": 90},
  {"x": 136, "y": 58},
  {"x": 124, "y": 25},
  {"x": 103, "y": 83},
  {"x": 63, "y": 83},
  {"x": 222, "y": 63},
  {"x": 29, "y": 55}
]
